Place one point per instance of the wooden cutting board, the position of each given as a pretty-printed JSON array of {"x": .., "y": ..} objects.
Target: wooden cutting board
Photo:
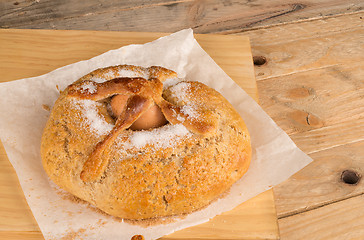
[{"x": 28, "y": 53}]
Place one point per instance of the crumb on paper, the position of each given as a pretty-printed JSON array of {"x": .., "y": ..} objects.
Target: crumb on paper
[
  {"x": 71, "y": 235},
  {"x": 58, "y": 89},
  {"x": 46, "y": 107},
  {"x": 137, "y": 237}
]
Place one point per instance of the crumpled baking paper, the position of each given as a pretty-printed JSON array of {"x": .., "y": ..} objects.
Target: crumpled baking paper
[{"x": 22, "y": 118}]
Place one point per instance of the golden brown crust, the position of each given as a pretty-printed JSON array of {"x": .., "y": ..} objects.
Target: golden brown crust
[
  {"x": 172, "y": 170},
  {"x": 112, "y": 72}
]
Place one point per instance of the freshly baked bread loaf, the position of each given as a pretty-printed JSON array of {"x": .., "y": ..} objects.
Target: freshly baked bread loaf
[{"x": 192, "y": 152}]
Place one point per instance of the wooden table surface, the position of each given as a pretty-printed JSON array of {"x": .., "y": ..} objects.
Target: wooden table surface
[
  {"x": 28, "y": 52},
  {"x": 309, "y": 70}
]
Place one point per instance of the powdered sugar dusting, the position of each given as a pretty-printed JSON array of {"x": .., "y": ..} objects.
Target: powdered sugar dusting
[
  {"x": 181, "y": 91},
  {"x": 164, "y": 137},
  {"x": 190, "y": 111},
  {"x": 104, "y": 77},
  {"x": 98, "y": 79},
  {"x": 171, "y": 82},
  {"x": 92, "y": 118},
  {"x": 121, "y": 72},
  {"x": 89, "y": 87},
  {"x": 131, "y": 74},
  {"x": 179, "y": 117},
  {"x": 109, "y": 74}
]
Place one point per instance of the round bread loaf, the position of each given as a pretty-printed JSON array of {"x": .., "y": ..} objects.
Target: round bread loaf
[{"x": 173, "y": 169}]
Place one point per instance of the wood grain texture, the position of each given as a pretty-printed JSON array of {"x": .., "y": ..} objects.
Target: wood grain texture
[
  {"x": 312, "y": 86},
  {"x": 315, "y": 99},
  {"x": 308, "y": 45},
  {"x": 320, "y": 183},
  {"x": 15, "y": 213},
  {"x": 337, "y": 221},
  {"x": 331, "y": 136},
  {"x": 245, "y": 213},
  {"x": 26, "y": 57},
  {"x": 13, "y": 235},
  {"x": 25, "y": 53},
  {"x": 204, "y": 16}
]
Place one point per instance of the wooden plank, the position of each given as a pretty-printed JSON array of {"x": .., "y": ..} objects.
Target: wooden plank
[
  {"x": 73, "y": 8},
  {"x": 315, "y": 99},
  {"x": 301, "y": 48},
  {"x": 329, "y": 137},
  {"x": 337, "y": 221},
  {"x": 25, "y": 50},
  {"x": 320, "y": 183},
  {"x": 317, "y": 96},
  {"x": 15, "y": 213},
  {"x": 34, "y": 59},
  {"x": 233, "y": 220},
  {"x": 309, "y": 45},
  {"x": 211, "y": 16},
  {"x": 312, "y": 87},
  {"x": 21, "y": 235}
]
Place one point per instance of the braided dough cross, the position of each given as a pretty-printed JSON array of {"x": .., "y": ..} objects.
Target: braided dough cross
[{"x": 141, "y": 94}]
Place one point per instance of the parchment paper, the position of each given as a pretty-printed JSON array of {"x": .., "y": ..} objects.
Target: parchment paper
[{"x": 22, "y": 118}]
